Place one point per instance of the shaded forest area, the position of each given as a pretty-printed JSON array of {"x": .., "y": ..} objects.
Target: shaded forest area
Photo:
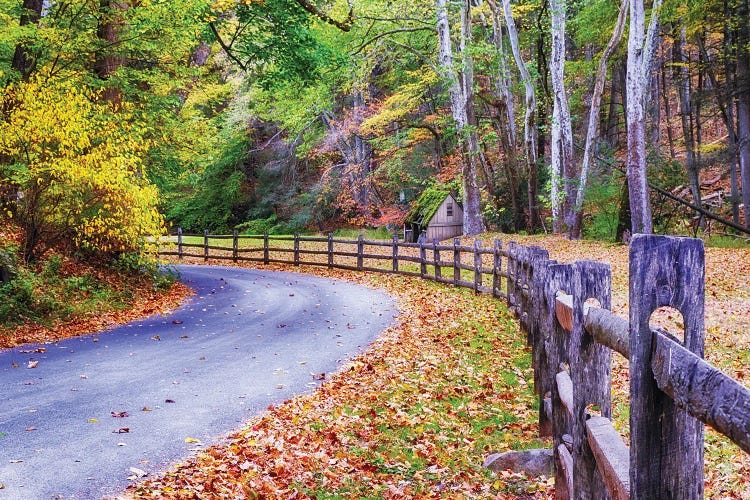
[{"x": 123, "y": 118}]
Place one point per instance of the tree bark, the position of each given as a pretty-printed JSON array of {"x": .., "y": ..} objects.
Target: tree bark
[
  {"x": 24, "y": 59},
  {"x": 682, "y": 70},
  {"x": 639, "y": 59},
  {"x": 109, "y": 57},
  {"x": 743, "y": 102},
  {"x": 564, "y": 172},
  {"x": 530, "y": 128},
  {"x": 506, "y": 122},
  {"x": 460, "y": 86}
]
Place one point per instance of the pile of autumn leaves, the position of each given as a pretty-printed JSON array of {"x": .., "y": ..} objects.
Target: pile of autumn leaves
[{"x": 415, "y": 415}]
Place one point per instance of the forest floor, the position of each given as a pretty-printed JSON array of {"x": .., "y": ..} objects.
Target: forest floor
[{"x": 417, "y": 413}]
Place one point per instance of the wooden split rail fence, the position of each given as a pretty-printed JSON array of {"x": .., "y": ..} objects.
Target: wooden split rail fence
[{"x": 564, "y": 311}]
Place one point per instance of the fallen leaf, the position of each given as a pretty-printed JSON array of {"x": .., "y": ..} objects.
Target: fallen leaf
[
  {"x": 121, "y": 430},
  {"x": 119, "y": 414},
  {"x": 14, "y": 365},
  {"x": 30, "y": 428},
  {"x": 138, "y": 472},
  {"x": 146, "y": 408},
  {"x": 32, "y": 364},
  {"x": 93, "y": 420},
  {"x": 176, "y": 322},
  {"x": 192, "y": 440},
  {"x": 169, "y": 400},
  {"x": 319, "y": 376}
]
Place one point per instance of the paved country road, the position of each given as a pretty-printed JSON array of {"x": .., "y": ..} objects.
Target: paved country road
[{"x": 249, "y": 338}]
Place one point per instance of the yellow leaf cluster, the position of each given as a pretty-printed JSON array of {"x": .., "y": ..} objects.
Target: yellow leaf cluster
[{"x": 79, "y": 166}]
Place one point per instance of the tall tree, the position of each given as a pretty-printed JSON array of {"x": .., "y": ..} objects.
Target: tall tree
[
  {"x": 563, "y": 170},
  {"x": 24, "y": 58},
  {"x": 460, "y": 87},
  {"x": 592, "y": 132},
  {"x": 640, "y": 52},
  {"x": 530, "y": 131},
  {"x": 743, "y": 100}
]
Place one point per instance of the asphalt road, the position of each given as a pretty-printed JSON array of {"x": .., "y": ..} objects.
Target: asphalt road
[{"x": 249, "y": 338}]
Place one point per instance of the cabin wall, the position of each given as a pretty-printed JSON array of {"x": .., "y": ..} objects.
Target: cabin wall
[{"x": 447, "y": 221}]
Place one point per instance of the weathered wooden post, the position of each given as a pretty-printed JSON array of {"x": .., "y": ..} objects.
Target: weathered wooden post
[
  {"x": 330, "y": 250},
  {"x": 235, "y": 245},
  {"x": 360, "y": 251},
  {"x": 205, "y": 245},
  {"x": 422, "y": 260},
  {"x": 296, "y": 249},
  {"x": 542, "y": 328},
  {"x": 558, "y": 279},
  {"x": 477, "y": 265},
  {"x": 512, "y": 264},
  {"x": 456, "y": 261},
  {"x": 266, "y": 258},
  {"x": 179, "y": 243},
  {"x": 589, "y": 368},
  {"x": 666, "y": 444},
  {"x": 436, "y": 258},
  {"x": 394, "y": 263},
  {"x": 497, "y": 263}
]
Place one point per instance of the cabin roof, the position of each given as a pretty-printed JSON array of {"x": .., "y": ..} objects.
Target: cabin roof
[{"x": 424, "y": 208}]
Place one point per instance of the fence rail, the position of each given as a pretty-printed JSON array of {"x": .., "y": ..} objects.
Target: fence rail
[
  {"x": 673, "y": 391},
  {"x": 476, "y": 267}
]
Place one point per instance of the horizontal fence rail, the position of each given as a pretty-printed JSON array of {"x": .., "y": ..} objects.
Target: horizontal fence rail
[
  {"x": 564, "y": 309},
  {"x": 476, "y": 267}
]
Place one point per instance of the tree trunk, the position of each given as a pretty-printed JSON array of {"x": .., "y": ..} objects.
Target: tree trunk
[
  {"x": 24, "y": 60},
  {"x": 109, "y": 57},
  {"x": 460, "y": 86},
  {"x": 743, "y": 102},
  {"x": 592, "y": 133},
  {"x": 682, "y": 70},
  {"x": 639, "y": 58},
  {"x": 530, "y": 128},
  {"x": 564, "y": 171},
  {"x": 506, "y": 121}
]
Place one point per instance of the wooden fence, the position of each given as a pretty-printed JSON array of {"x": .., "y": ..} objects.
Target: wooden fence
[
  {"x": 673, "y": 391},
  {"x": 475, "y": 267}
]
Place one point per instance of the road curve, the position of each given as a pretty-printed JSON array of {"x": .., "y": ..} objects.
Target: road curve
[{"x": 249, "y": 338}]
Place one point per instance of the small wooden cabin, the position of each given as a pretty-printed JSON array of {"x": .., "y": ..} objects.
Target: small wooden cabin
[{"x": 435, "y": 216}]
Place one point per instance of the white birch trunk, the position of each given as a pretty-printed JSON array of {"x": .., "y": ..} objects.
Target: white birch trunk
[
  {"x": 529, "y": 129},
  {"x": 640, "y": 51},
  {"x": 562, "y": 133},
  {"x": 460, "y": 87}
]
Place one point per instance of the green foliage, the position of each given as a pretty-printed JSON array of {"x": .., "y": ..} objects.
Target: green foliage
[{"x": 602, "y": 208}]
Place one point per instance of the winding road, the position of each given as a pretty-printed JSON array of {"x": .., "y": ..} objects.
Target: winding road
[{"x": 77, "y": 415}]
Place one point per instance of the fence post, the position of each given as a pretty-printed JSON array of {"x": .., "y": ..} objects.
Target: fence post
[
  {"x": 541, "y": 326},
  {"x": 436, "y": 259},
  {"x": 235, "y": 245},
  {"x": 590, "y": 367},
  {"x": 477, "y": 265},
  {"x": 512, "y": 264},
  {"x": 422, "y": 260},
  {"x": 554, "y": 344},
  {"x": 666, "y": 444},
  {"x": 456, "y": 261},
  {"x": 330, "y": 250},
  {"x": 296, "y": 249},
  {"x": 497, "y": 268},
  {"x": 360, "y": 251},
  {"x": 266, "y": 258},
  {"x": 205, "y": 245},
  {"x": 395, "y": 253},
  {"x": 179, "y": 243}
]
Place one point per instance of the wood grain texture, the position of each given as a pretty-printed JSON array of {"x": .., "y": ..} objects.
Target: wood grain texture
[{"x": 666, "y": 444}]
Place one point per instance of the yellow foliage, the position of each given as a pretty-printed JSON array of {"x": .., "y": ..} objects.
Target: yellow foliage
[
  {"x": 403, "y": 103},
  {"x": 78, "y": 168}
]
